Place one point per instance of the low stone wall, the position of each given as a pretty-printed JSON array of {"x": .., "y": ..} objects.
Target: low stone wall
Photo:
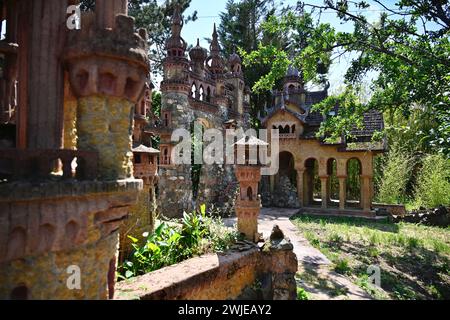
[
  {"x": 245, "y": 272},
  {"x": 392, "y": 209}
]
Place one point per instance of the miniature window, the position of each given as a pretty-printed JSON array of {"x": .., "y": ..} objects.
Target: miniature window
[
  {"x": 201, "y": 93},
  {"x": 194, "y": 91},
  {"x": 208, "y": 94},
  {"x": 137, "y": 158}
]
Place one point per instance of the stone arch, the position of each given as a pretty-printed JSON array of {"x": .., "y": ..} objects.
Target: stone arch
[
  {"x": 197, "y": 169},
  {"x": 20, "y": 292},
  {"x": 201, "y": 93},
  {"x": 311, "y": 181},
  {"x": 208, "y": 94},
  {"x": 353, "y": 183},
  {"x": 47, "y": 235},
  {"x": 17, "y": 243},
  {"x": 56, "y": 167},
  {"x": 204, "y": 123},
  {"x": 72, "y": 229},
  {"x": 249, "y": 194},
  {"x": 194, "y": 90},
  {"x": 284, "y": 183}
]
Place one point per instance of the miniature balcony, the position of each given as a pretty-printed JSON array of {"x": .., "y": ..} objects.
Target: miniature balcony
[
  {"x": 16, "y": 165},
  {"x": 287, "y": 136},
  {"x": 145, "y": 170},
  {"x": 165, "y": 161}
]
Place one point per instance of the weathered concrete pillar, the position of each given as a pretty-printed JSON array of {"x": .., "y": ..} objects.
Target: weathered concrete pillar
[
  {"x": 324, "y": 189},
  {"x": 108, "y": 79},
  {"x": 342, "y": 192},
  {"x": 106, "y": 11},
  {"x": 366, "y": 193},
  {"x": 300, "y": 183},
  {"x": 272, "y": 183}
]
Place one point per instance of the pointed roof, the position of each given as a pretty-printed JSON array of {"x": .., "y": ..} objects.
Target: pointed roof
[
  {"x": 251, "y": 141},
  {"x": 215, "y": 61},
  {"x": 198, "y": 53},
  {"x": 176, "y": 41},
  {"x": 143, "y": 149}
]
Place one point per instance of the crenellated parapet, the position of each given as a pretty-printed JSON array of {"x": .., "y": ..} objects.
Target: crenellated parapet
[
  {"x": 111, "y": 62},
  {"x": 108, "y": 69}
]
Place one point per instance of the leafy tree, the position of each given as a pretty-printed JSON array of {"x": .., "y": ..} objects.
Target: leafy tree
[
  {"x": 407, "y": 50},
  {"x": 240, "y": 29}
]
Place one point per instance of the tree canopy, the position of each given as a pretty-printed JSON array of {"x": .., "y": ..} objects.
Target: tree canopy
[{"x": 406, "y": 51}]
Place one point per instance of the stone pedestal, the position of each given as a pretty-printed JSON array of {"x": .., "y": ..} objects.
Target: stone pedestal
[{"x": 248, "y": 204}]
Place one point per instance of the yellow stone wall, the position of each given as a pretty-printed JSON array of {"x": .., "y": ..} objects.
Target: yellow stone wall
[
  {"x": 46, "y": 275},
  {"x": 70, "y": 130},
  {"x": 302, "y": 150},
  {"x": 141, "y": 219},
  {"x": 102, "y": 122}
]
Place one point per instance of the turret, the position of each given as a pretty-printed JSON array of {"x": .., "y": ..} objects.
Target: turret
[
  {"x": 175, "y": 45},
  {"x": 198, "y": 56},
  {"x": 215, "y": 62},
  {"x": 176, "y": 65}
]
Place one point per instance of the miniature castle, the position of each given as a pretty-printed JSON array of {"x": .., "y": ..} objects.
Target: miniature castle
[
  {"x": 206, "y": 90},
  {"x": 66, "y": 171},
  {"x": 306, "y": 160}
]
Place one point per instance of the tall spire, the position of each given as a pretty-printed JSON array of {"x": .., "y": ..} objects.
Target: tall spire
[
  {"x": 175, "y": 45},
  {"x": 215, "y": 46},
  {"x": 215, "y": 61}
]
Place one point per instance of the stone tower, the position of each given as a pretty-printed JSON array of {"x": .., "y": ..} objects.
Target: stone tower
[
  {"x": 206, "y": 90},
  {"x": 62, "y": 201},
  {"x": 248, "y": 203}
]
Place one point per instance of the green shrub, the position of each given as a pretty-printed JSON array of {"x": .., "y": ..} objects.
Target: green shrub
[
  {"x": 302, "y": 294},
  {"x": 396, "y": 174},
  {"x": 172, "y": 243},
  {"x": 433, "y": 183}
]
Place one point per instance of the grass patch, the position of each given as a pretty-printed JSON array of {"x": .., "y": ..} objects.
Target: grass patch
[{"x": 414, "y": 259}]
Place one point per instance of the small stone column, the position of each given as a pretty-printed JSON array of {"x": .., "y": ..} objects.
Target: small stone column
[
  {"x": 324, "y": 189},
  {"x": 300, "y": 183},
  {"x": 342, "y": 192},
  {"x": 108, "y": 79},
  {"x": 248, "y": 204},
  {"x": 366, "y": 193},
  {"x": 272, "y": 184}
]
